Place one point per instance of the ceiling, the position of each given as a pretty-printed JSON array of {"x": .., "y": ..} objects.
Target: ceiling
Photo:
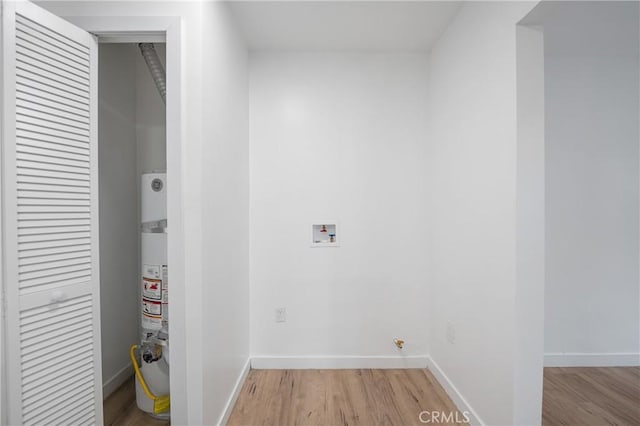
[{"x": 343, "y": 25}]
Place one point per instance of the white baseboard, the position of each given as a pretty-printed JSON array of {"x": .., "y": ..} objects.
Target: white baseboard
[
  {"x": 235, "y": 394},
  {"x": 113, "y": 383},
  {"x": 336, "y": 362},
  {"x": 592, "y": 359},
  {"x": 454, "y": 394}
]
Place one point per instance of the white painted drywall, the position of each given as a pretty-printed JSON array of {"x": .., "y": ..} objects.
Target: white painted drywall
[
  {"x": 118, "y": 188},
  {"x": 224, "y": 185},
  {"x": 472, "y": 116},
  {"x": 529, "y": 321},
  {"x": 338, "y": 136},
  {"x": 592, "y": 113},
  {"x": 3, "y": 370}
]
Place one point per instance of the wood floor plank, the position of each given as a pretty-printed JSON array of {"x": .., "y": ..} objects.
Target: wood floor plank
[
  {"x": 380, "y": 399},
  {"x": 119, "y": 401},
  {"x": 339, "y": 398},
  {"x": 572, "y": 396},
  {"x": 591, "y": 396}
]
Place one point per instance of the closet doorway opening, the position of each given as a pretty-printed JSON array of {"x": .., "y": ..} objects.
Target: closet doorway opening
[{"x": 140, "y": 138}]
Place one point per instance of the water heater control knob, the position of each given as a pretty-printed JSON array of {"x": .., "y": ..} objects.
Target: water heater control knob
[{"x": 157, "y": 185}]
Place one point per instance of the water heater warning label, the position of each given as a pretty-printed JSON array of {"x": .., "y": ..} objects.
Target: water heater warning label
[
  {"x": 151, "y": 271},
  {"x": 155, "y": 296},
  {"x": 151, "y": 288},
  {"x": 152, "y": 307}
]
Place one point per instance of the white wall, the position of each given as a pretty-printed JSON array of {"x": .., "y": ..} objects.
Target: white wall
[
  {"x": 225, "y": 209},
  {"x": 118, "y": 211},
  {"x": 592, "y": 314},
  {"x": 472, "y": 94},
  {"x": 529, "y": 319},
  {"x": 338, "y": 136},
  {"x": 3, "y": 370}
]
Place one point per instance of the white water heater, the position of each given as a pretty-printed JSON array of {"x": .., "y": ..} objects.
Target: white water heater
[
  {"x": 155, "y": 283},
  {"x": 154, "y": 291}
]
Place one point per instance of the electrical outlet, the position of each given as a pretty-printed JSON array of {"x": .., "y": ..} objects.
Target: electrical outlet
[
  {"x": 451, "y": 332},
  {"x": 281, "y": 314}
]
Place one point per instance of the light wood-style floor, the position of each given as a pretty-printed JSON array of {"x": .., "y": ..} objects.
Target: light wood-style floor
[
  {"x": 339, "y": 397},
  {"x": 120, "y": 409},
  {"x": 572, "y": 396},
  {"x": 591, "y": 396}
]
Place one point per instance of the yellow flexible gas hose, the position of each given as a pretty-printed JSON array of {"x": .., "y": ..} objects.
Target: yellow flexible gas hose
[{"x": 161, "y": 404}]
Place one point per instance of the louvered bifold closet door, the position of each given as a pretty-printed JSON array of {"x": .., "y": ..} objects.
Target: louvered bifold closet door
[{"x": 50, "y": 222}]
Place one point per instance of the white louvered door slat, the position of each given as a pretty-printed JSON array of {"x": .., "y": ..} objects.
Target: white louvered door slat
[{"x": 50, "y": 202}]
